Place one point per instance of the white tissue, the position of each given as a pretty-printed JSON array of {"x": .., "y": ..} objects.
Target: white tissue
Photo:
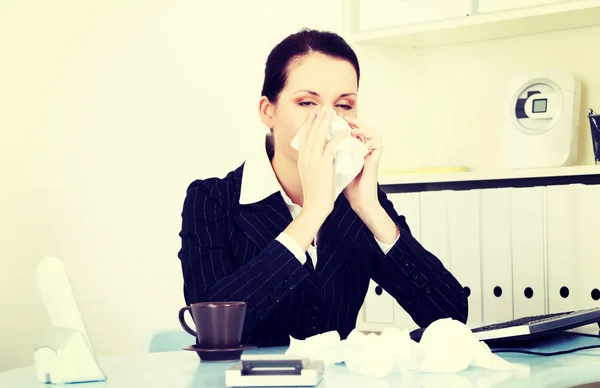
[
  {"x": 349, "y": 155},
  {"x": 446, "y": 346},
  {"x": 320, "y": 346},
  {"x": 448, "y": 353}
]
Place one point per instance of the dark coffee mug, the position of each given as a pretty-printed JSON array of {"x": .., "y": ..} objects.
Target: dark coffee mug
[{"x": 218, "y": 324}]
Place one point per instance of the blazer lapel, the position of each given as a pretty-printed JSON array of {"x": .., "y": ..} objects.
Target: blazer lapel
[
  {"x": 339, "y": 231},
  {"x": 263, "y": 221}
]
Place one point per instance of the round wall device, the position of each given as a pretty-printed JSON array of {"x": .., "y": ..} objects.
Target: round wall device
[{"x": 541, "y": 120}]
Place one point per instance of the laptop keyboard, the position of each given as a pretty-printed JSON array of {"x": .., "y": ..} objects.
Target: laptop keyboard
[{"x": 525, "y": 320}]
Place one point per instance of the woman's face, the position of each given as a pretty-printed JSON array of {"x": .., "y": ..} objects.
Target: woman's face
[{"x": 314, "y": 82}]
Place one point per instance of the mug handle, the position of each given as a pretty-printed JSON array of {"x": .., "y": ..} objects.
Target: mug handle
[{"x": 182, "y": 320}]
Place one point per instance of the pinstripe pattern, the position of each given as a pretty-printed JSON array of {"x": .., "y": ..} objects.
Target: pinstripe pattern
[{"x": 229, "y": 252}]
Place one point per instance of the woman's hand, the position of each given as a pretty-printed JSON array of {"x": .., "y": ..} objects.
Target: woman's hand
[
  {"x": 315, "y": 165},
  {"x": 362, "y": 191}
]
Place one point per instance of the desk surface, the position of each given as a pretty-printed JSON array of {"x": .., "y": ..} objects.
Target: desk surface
[{"x": 184, "y": 369}]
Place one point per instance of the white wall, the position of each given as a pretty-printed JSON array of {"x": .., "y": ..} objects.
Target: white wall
[{"x": 109, "y": 109}]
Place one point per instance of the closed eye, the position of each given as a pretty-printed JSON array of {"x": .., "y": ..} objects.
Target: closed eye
[{"x": 310, "y": 103}]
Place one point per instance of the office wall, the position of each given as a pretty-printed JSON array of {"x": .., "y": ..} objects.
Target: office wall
[
  {"x": 109, "y": 109},
  {"x": 465, "y": 88},
  {"x": 443, "y": 106}
]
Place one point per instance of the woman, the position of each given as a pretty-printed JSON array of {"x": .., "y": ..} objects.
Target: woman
[{"x": 271, "y": 232}]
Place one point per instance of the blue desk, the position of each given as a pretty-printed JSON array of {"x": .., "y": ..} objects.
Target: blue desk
[{"x": 183, "y": 369}]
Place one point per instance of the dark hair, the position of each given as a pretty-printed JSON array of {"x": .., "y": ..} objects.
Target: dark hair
[
  {"x": 293, "y": 48},
  {"x": 297, "y": 45}
]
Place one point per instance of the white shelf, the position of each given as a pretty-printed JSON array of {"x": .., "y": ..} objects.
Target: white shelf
[
  {"x": 491, "y": 175},
  {"x": 555, "y": 17}
]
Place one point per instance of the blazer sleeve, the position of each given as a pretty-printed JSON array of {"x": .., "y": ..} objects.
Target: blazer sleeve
[
  {"x": 416, "y": 278},
  {"x": 210, "y": 272}
]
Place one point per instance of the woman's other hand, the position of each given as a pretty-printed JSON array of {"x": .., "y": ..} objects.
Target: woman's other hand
[{"x": 362, "y": 191}]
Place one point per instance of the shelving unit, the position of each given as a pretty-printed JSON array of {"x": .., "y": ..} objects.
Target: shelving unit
[
  {"x": 513, "y": 221},
  {"x": 480, "y": 27},
  {"x": 398, "y": 179}
]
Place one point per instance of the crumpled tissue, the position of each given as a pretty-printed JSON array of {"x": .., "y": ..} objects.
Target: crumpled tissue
[
  {"x": 349, "y": 155},
  {"x": 446, "y": 346}
]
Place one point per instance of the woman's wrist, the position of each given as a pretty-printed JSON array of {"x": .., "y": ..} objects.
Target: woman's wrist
[
  {"x": 305, "y": 227},
  {"x": 367, "y": 208},
  {"x": 312, "y": 220},
  {"x": 379, "y": 223}
]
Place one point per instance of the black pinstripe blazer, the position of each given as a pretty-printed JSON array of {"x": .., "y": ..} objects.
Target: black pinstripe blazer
[{"x": 229, "y": 253}]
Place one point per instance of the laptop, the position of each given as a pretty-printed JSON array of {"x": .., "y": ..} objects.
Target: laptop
[{"x": 532, "y": 328}]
